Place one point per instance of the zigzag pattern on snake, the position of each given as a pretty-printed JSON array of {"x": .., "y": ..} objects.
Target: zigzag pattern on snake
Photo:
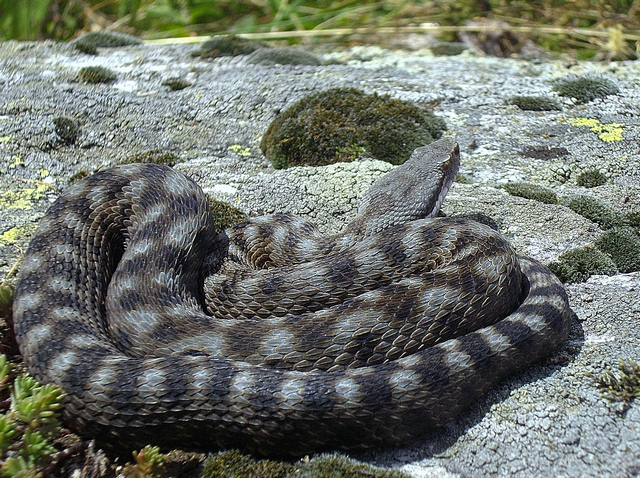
[{"x": 271, "y": 337}]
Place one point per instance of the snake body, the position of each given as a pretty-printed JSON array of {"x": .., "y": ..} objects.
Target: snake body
[{"x": 272, "y": 337}]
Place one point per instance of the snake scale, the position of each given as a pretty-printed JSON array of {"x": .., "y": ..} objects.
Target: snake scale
[{"x": 270, "y": 336}]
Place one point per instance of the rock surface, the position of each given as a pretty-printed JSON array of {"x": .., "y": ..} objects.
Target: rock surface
[{"x": 548, "y": 421}]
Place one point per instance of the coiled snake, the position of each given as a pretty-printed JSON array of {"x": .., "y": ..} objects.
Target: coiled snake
[{"x": 366, "y": 338}]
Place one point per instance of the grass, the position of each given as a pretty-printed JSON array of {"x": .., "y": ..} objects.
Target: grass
[{"x": 582, "y": 28}]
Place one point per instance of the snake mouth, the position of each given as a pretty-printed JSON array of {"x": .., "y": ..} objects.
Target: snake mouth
[{"x": 451, "y": 167}]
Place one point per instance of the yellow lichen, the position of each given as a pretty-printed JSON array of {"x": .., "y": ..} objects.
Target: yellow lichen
[
  {"x": 607, "y": 132},
  {"x": 22, "y": 198},
  {"x": 240, "y": 150},
  {"x": 12, "y": 235},
  {"x": 4, "y": 139}
]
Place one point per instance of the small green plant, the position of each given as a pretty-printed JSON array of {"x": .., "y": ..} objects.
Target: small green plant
[
  {"x": 591, "y": 178},
  {"x": 532, "y": 191},
  {"x": 583, "y": 89},
  {"x": 535, "y": 103},
  {"x": 149, "y": 463},
  {"x": 624, "y": 387},
  {"x": 176, "y": 84},
  {"x": 28, "y": 428},
  {"x": 96, "y": 74},
  {"x": 577, "y": 265}
]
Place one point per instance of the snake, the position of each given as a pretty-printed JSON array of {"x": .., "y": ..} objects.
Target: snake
[{"x": 270, "y": 336}]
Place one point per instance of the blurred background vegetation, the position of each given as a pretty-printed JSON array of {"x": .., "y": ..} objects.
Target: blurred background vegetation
[{"x": 583, "y": 28}]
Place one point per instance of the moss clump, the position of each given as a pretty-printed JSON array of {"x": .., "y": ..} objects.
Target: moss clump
[
  {"x": 155, "y": 156},
  {"x": 448, "y": 48},
  {"x": 622, "y": 244},
  {"x": 229, "y": 45},
  {"x": 96, "y": 74},
  {"x": 585, "y": 88},
  {"x": 176, "y": 84},
  {"x": 544, "y": 153},
  {"x": 531, "y": 191},
  {"x": 235, "y": 464},
  {"x": 224, "y": 214},
  {"x": 577, "y": 265},
  {"x": 535, "y": 103},
  {"x": 596, "y": 211},
  {"x": 284, "y": 56},
  {"x": 624, "y": 388},
  {"x": 78, "y": 176},
  {"x": 591, "y": 178},
  {"x": 90, "y": 41},
  {"x": 341, "y": 124},
  {"x": 67, "y": 129},
  {"x": 335, "y": 465}
]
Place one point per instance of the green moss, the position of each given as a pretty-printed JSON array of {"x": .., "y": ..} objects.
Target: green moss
[
  {"x": 339, "y": 466},
  {"x": 532, "y": 191},
  {"x": 591, "y": 178},
  {"x": 176, "y": 84},
  {"x": 229, "y": 45},
  {"x": 6, "y": 300},
  {"x": 338, "y": 124},
  {"x": 67, "y": 129},
  {"x": 596, "y": 211},
  {"x": 448, "y": 48},
  {"x": 585, "y": 88},
  {"x": 96, "y": 74},
  {"x": 462, "y": 179},
  {"x": 577, "y": 265},
  {"x": 90, "y": 41},
  {"x": 623, "y": 388},
  {"x": 622, "y": 244},
  {"x": 235, "y": 464},
  {"x": 633, "y": 219},
  {"x": 535, "y": 103},
  {"x": 156, "y": 156},
  {"x": 284, "y": 56},
  {"x": 224, "y": 214}
]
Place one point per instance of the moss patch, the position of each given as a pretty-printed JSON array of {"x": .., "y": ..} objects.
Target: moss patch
[
  {"x": 156, "y": 156},
  {"x": 67, "y": 129},
  {"x": 577, "y": 265},
  {"x": 341, "y": 124},
  {"x": 532, "y": 191},
  {"x": 176, "y": 84},
  {"x": 622, "y": 244},
  {"x": 224, "y": 214},
  {"x": 591, "y": 178},
  {"x": 623, "y": 387},
  {"x": 235, "y": 464},
  {"x": 607, "y": 132},
  {"x": 596, "y": 211},
  {"x": 96, "y": 74},
  {"x": 585, "y": 88},
  {"x": 284, "y": 56},
  {"x": 535, "y": 103},
  {"x": 90, "y": 41},
  {"x": 229, "y": 45}
]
